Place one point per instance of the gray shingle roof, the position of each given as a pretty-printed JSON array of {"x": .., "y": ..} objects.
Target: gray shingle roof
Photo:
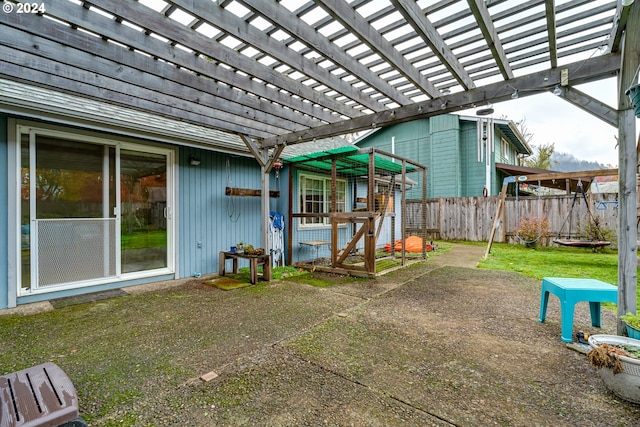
[{"x": 46, "y": 103}]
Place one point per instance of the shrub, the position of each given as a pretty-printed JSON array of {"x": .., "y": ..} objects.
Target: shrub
[
  {"x": 531, "y": 229},
  {"x": 593, "y": 231}
]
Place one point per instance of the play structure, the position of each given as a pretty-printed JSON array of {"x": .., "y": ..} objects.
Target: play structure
[
  {"x": 346, "y": 204},
  {"x": 578, "y": 218},
  {"x": 578, "y": 238}
]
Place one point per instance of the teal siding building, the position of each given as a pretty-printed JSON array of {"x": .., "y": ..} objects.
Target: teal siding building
[{"x": 464, "y": 155}]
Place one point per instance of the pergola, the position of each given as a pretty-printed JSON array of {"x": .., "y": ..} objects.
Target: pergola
[{"x": 279, "y": 73}]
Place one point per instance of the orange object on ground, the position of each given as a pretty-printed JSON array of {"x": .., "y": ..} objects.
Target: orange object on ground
[{"x": 412, "y": 244}]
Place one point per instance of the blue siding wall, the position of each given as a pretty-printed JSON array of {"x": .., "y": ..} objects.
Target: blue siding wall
[
  {"x": 473, "y": 171},
  {"x": 444, "y": 171},
  {"x": 412, "y": 141},
  {"x": 441, "y": 145},
  {"x": 448, "y": 146},
  {"x": 209, "y": 221},
  {"x": 4, "y": 266}
]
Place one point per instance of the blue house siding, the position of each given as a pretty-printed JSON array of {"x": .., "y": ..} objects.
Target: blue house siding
[
  {"x": 412, "y": 141},
  {"x": 444, "y": 170},
  {"x": 473, "y": 171},
  {"x": 209, "y": 221},
  {"x": 448, "y": 146},
  {"x": 409, "y": 132}
]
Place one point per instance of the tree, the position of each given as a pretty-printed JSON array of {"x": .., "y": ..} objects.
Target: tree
[
  {"x": 521, "y": 125},
  {"x": 541, "y": 158}
]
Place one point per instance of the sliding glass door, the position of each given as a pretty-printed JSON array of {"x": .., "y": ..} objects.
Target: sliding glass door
[
  {"x": 91, "y": 211},
  {"x": 143, "y": 233}
]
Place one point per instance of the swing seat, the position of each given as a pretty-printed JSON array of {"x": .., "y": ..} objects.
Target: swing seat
[
  {"x": 582, "y": 243},
  {"x": 566, "y": 240}
]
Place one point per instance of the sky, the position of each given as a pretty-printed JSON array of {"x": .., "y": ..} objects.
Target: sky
[{"x": 553, "y": 120}]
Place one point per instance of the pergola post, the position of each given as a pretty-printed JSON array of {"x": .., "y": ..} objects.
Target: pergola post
[
  {"x": 266, "y": 162},
  {"x": 627, "y": 175},
  {"x": 264, "y": 208}
]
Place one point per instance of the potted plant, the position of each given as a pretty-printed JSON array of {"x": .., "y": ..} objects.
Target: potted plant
[
  {"x": 240, "y": 247},
  {"x": 634, "y": 96},
  {"x": 618, "y": 364},
  {"x": 633, "y": 324}
]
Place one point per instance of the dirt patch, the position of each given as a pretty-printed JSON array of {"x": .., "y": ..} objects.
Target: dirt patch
[{"x": 431, "y": 344}]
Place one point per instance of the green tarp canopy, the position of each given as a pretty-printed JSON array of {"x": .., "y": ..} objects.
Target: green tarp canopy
[{"x": 349, "y": 161}]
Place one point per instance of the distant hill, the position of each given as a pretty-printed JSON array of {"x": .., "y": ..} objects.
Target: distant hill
[{"x": 565, "y": 162}]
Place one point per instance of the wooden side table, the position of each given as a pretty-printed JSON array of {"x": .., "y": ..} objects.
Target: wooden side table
[
  {"x": 254, "y": 262},
  {"x": 315, "y": 244}
]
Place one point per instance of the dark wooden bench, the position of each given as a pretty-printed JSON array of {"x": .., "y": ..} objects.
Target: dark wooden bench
[{"x": 42, "y": 395}]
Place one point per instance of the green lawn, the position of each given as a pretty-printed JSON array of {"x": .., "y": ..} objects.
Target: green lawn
[
  {"x": 554, "y": 262},
  {"x": 144, "y": 239}
]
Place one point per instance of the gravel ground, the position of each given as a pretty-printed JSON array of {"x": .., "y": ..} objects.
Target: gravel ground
[{"x": 439, "y": 343}]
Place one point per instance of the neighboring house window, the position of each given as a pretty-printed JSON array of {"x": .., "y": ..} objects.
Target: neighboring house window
[
  {"x": 505, "y": 150},
  {"x": 315, "y": 197}
]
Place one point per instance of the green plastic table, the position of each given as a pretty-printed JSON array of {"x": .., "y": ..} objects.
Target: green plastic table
[{"x": 571, "y": 291}]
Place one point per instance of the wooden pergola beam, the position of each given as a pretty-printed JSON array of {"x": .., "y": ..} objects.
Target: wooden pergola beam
[
  {"x": 591, "y": 105},
  {"x": 217, "y": 16},
  {"x": 532, "y": 84},
  {"x": 615, "y": 38},
  {"x": 485, "y": 23},
  {"x": 425, "y": 29},
  {"x": 207, "y": 73},
  {"x": 274, "y": 12},
  {"x": 178, "y": 33},
  {"x": 627, "y": 163},
  {"x": 550, "y": 11},
  {"x": 565, "y": 175},
  {"x": 358, "y": 25}
]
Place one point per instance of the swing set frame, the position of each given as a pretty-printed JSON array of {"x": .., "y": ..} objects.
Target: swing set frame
[
  {"x": 542, "y": 178},
  {"x": 580, "y": 243}
]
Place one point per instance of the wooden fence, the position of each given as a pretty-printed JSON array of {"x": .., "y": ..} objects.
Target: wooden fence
[{"x": 471, "y": 218}]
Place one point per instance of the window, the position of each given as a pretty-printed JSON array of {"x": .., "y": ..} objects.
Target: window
[
  {"x": 315, "y": 197},
  {"x": 505, "y": 150}
]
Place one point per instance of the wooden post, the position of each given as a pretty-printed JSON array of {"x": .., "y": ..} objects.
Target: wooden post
[
  {"x": 424, "y": 207},
  {"x": 369, "y": 243},
  {"x": 439, "y": 219},
  {"x": 264, "y": 203},
  {"x": 627, "y": 163},
  {"x": 261, "y": 155},
  {"x": 403, "y": 213},
  {"x": 292, "y": 194},
  {"x": 333, "y": 219},
  {"x": 496, "y": 219}
]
